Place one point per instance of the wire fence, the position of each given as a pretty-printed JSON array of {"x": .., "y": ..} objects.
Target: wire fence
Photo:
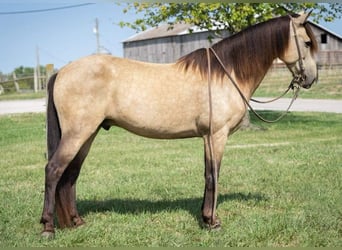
[{"x": 33, "y": 82}]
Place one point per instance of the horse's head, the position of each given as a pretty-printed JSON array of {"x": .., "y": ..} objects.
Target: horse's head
[{"x": 300, "y": 53}]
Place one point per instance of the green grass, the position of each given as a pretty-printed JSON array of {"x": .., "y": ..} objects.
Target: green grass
[
  {"x": 22, "y": 96},
  {"x": 278, "y": 187}
]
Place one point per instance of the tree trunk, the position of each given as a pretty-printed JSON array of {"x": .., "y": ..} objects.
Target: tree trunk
[{"x": 247, "y": 125}]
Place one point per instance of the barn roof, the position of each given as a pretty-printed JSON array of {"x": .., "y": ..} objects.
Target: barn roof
[
  {"x": 164, "y": 30},
  {"x": 326, "y": 30}
]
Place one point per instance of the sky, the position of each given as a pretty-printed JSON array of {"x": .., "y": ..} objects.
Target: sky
[
  {"x": 64, "y": 35},
  {"x": 60, "y": 35}
]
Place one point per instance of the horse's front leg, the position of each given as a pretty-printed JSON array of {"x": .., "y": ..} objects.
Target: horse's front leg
[{"x": 211, "y": 174}]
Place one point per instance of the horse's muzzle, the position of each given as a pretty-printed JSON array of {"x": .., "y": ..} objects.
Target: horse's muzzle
[{"x": 307, "y": 84}]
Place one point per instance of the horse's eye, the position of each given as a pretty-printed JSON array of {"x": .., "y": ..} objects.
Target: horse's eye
[{"x": 308, "y": 44}]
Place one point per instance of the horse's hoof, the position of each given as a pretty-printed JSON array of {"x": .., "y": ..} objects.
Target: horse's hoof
[
  {"x": 213, "y": 225},
  {"x": 78, "y": 221},
  {"x": 48, "y": 235}
]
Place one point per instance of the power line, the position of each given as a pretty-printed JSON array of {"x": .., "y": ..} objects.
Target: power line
[
  {"x": 52, "y": 55},
  {"x": 44, "y": 10}
]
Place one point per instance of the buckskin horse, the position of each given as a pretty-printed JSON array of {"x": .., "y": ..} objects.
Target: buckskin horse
[{"x": 200, "y": 95}]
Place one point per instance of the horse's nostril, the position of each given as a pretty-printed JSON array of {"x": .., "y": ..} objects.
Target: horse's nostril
[{"x": 308, "y": 85}]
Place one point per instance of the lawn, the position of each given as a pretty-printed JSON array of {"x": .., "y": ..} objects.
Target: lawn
[
  {"x": 279, "y": 186},
  {"x": 22, "y": 95}
]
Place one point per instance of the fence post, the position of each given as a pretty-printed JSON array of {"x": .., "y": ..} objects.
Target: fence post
[
  {"x": 35, "y": 80},
  {"x": 16, "y": 85},
  {"x": 39, "y": 87}
]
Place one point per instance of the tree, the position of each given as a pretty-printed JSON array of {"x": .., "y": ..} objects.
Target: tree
[
  {"x": 22, "y": 71},
  {"x": 229, "y": 16},
  {"x": 26, "y": 75}
]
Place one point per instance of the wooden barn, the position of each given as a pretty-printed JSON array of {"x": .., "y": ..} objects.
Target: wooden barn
[
  {"x": 164, "y": 45},
  {"x": 330, "y": 45}
]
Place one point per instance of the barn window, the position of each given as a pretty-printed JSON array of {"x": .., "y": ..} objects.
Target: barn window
[{"x": 324, "y": 38}]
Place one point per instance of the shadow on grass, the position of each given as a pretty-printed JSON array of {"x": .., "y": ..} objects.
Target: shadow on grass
[{"x": 136, "y": 206}]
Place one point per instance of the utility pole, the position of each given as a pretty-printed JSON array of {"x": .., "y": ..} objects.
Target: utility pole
[
  {"x": 99, "y": 49},
  {"x": 96, "y": 31}
]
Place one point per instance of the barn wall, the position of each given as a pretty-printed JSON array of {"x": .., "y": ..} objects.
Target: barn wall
[
  {"x": 329, "y": 47},
  {"x": 167, "y": 49},
  {"x": 332, "y": 42}
]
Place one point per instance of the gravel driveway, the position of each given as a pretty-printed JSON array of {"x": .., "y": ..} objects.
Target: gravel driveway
[{"x": 315, "y": 105}]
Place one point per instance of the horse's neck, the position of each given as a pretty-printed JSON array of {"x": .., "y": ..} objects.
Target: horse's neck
[
  {"x": 261, "y": 78},
  {"x": 252, "y": 84},
  {"x": 252, "y": 79}
]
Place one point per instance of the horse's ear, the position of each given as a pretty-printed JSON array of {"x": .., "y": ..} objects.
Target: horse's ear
[
  {"x": 307, "y": 16},
  {"x": 302, "y": 18}
]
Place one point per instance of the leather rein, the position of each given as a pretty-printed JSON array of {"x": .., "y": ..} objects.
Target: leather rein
[{"x": 295, "y": 84}]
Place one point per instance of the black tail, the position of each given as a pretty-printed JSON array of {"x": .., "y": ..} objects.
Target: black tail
[
  {"x": 53, "y": 127},
  {"x": 63, "y": 189}
]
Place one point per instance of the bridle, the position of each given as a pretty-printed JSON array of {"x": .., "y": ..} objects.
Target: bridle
[
  {"x": 299, "y": 77},
  {"x": 295, "y": 84}
]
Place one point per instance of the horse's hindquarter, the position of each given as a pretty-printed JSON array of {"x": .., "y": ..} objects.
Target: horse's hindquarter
[{"x": 152, "y": 100}]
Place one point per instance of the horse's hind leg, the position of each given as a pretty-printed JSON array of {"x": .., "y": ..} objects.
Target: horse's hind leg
[
  {"x": 66, "y": 209},
  {"x": 69, "y": 146}
]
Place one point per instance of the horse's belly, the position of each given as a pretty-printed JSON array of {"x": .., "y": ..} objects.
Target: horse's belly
[
  {"x": 156, "y": 111},
  {"x": 154, "y": 130}
]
